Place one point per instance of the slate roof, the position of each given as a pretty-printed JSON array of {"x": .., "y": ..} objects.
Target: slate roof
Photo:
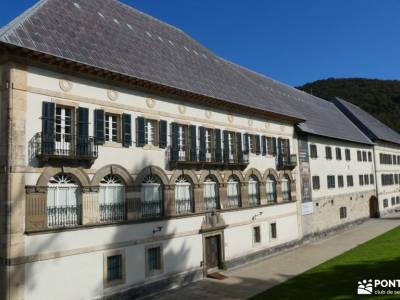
[
  {"x": 371, "y": 126},
  {"x": 110, "y": 35}
]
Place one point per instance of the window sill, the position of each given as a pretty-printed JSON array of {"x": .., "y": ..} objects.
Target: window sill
[
  {"x": 151, "y": 147},
  {"x": 112, "y": 145}
]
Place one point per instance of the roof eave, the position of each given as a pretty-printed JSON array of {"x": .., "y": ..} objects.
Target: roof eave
[{"x": 46, "y": 58}]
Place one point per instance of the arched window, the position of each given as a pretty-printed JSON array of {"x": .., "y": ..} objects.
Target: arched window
[
  {"x": 151, "y": 197},
  {"x": 254, "y": 191},
  {"x": 210, "y": 194},
  {"x": 183, "y": 195},
  {"x": 63, "y": 201},
  {"x": 233, "y": 192},
  {"x": 112, "y": 202},
  {"x": 271, "y": 190},
  {"x": 286, "y": 189}
]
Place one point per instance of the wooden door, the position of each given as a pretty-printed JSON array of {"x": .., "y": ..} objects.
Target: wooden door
[
  {"x": 213, "y": 246},
  {"x": 374, "y": 207}
]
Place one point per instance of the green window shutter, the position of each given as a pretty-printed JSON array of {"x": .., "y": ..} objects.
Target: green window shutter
[
  {"x": 246, "y": 149},
  {"x": 258, "y": 144},
  {"x": 48, "y": 111},
  {"x": 274, "y": 146},
  {"x": 163, "y": 134},
  {"x": 193, "y": 142},
  {"x": 99, "y": 126},
  {"x": 174, "y": 141},
  {"x": 126, "y": 130},
  {"x": 226, "y": 145},
  {"x": 239, "y": 147},
  {"x": 83, "y": 131},
  {"x": 218, "y": 152},
  {"x": 264, "y": 145},
  {"x": 140, "y": 136},
  {"x": 202, "y": 151}
]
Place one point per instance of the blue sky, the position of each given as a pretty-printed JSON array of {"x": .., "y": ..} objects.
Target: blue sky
[{"x": 294, "y": 41}]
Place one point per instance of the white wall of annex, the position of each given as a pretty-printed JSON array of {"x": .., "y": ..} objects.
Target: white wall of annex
[{"x": 323, "y": 167}]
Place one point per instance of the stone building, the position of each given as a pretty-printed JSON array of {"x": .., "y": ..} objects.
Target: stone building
[
  {"x": 386, "y": 156},
  {"x": 134, "y": 159}
]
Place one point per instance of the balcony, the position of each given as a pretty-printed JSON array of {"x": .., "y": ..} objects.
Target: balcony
[
  {"x": 61, "y": 148},
  {"x": 286, "y": 162},
  {"x": 185, "y": 157}
]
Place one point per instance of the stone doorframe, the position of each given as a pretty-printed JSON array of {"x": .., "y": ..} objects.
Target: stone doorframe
[{"x": 219, "y": 233}]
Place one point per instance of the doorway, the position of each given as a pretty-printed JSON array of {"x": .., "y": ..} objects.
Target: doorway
[
  {"x": 213, "y": 252},
  {"x": 373, "y": 207}
]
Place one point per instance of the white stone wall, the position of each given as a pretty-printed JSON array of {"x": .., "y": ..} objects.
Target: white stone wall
[
  {"x": 386, "y": 191},
  {"x": 327, "y": 201},
  {"x": 45, "y": 86},
  {"x": 71, "y": 261}
]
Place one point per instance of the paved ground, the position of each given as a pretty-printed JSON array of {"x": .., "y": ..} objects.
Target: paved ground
[{"x": 252, "y": 279}]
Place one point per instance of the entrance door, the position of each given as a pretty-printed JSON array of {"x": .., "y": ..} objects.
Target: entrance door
[
  {"x": 373, "y": 207},
  {"x": 213, "y": 247}
]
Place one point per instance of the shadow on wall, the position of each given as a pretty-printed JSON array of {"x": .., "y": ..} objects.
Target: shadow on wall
[{"x": 174, "y": 252}]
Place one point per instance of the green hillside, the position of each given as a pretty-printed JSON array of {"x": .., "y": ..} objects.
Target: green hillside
[{"x": 380, "y": 98}]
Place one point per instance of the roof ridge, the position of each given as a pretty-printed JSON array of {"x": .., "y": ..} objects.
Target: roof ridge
[{"x": 21, "y": 18}]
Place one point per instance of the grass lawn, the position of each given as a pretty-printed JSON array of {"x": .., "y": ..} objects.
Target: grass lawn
[{"x": 337, "y": 278}]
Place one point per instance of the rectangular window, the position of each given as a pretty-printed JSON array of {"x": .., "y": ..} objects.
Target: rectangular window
[
  {"x": 252, "y": 143},
  {"x": 360, "y": 179},
  {"x": 313, "y": 151},
  {"x": 393, "y": 201},
  {"x": 369, "y": 156},
  {"x": 151, "y": 132},
  {"x": 385, "y": 203},
  {"x": 340, "y": 181},
  {"x": 347, "y": 154},
  {"x": 394, "y": 159},
  {"x": 209, "y": 142},
  {"x": 350, "y": 180},
  {"x": 274, "y": 233},
  {"x": 364, "y": 156},
  {"x": 343, "y": 212},
  {"x": 114, "y": 269},
  {"x": 338, "y": 154},
  {"x": 63, "y": 125},
  {"x": 112, "y": 128},
  {"x": 331, "y": 181},
  {"x": 359, "y": 156},
  {"x": 315, "y": 182},
  {"x": 366, "y": 179},
  {"x": 256, "y": 235},
  {"x": 396, "y": 178},
  {"x": 328, "y": 152},
  {"x": 398, "y": 159},
  {"x": 397, "y": 199},
  {"x": 371, "y": 178},
  {"x": 154, "y": 260}
]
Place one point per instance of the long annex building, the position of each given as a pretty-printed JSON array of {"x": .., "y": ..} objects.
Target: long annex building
[{"x": 135, "y": 160}]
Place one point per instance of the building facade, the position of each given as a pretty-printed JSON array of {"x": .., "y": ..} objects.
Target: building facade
[
  {"x": 140, "y": 192},
  {"x": 133, "y": 169},
  {"x": 386, "y": 156},
  {"x": 342, "y": 182}
]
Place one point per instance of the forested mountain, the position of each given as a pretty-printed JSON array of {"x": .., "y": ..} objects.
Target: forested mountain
[{"x": 380, "y": 98}]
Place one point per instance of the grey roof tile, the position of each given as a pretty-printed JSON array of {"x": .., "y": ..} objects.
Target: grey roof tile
[
  {"x": 80, "y": 34},
  {"x": 371, "y": 126}
]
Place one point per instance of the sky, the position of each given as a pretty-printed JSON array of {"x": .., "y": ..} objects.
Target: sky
[{"x": 293, "y": 41}]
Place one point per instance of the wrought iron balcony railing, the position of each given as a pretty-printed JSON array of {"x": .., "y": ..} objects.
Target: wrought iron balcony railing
[
  {"x": 186, "y": 156},
  {"x": 63, "y": 147},
  {"x": 286, "y": 162}
]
